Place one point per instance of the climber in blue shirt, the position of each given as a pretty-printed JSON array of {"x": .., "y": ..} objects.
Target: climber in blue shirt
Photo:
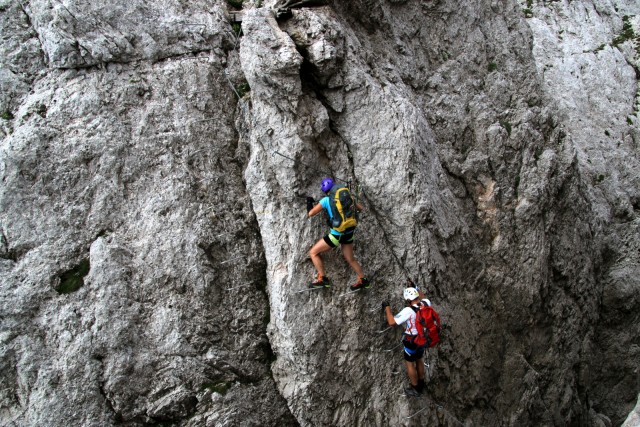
[{"x": 341, "y": 232}]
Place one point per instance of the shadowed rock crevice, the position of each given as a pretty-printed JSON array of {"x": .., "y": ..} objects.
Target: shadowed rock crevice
[
  {"x": 71, "y": 280},
  {"x": 322, "y": 46}
]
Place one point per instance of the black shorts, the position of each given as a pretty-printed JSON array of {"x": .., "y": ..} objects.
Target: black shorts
[
  {"x": 411, "y": 351},
  {"x": 333, "y": 240}
]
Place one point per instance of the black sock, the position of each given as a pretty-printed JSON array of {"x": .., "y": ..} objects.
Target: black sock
[{"x": 420, "y": 386}]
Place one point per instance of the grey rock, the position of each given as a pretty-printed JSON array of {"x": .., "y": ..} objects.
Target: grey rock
[
  {"x": 81, "y": 35},
  {"x": 122, "y": 172},
  {"x": 633, "y": 420}
]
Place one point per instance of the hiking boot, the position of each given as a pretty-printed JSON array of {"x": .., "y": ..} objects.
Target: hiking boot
[
  {"x": 411, "y": 392},
  {"x": 363, "y": 283},
  {"x": 321, "y": 282},
  {"x": 421, "y": 386}
]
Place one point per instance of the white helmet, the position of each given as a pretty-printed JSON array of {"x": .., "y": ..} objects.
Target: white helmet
[{"x": 411, "y": 293}]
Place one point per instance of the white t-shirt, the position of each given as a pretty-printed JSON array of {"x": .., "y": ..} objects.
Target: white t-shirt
[{"x": 408, "y": 315}]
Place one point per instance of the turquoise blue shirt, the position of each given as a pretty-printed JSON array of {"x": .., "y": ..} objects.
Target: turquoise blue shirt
[{"x": 326, "y": 205}]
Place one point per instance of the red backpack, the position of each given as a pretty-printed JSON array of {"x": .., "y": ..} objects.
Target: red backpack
[{"x": 428, "y": 326}]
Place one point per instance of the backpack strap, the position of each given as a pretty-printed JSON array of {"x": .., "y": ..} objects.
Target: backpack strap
[
  {"x": 411, "y": 338},
  {"x": 417, "y": 307}
]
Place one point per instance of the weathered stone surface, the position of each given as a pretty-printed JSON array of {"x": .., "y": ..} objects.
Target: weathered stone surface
[
  {"x": 133, "y": 167},
  {"x": 319, "y": 37},
  {"x": 633, "y": 420},
  {"x": 494, "y": 146},
  {"x": 77, "y": 34},
  {"x": 590, "y": 70},
  {"x": 20, "y": 59}
]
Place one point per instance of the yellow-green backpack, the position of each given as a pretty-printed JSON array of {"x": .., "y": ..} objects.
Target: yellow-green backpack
[{"x": 343, "y": 209}]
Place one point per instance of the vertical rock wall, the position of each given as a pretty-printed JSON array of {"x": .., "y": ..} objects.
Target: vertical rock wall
[
  {"x": 474, "y": 179},
  {"x": 330, "y": 364},
  {"x": 594, "y": 83},
  {"x": 120, "y": 167}
]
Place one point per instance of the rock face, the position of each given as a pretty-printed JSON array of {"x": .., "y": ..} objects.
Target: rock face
[
  {"x": 634, "y": 417},
  {"x": 133, "y": 170},
  {"x": 154, "y": 238}
]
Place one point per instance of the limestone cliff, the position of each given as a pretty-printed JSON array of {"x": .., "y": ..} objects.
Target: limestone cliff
[{"x": 155, "y": 157}]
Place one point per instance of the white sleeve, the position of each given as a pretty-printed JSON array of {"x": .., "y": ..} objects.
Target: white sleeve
[{"x": 404, "y": 315}]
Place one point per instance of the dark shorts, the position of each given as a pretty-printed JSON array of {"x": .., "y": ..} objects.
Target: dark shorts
[
  {"x": 333, "y": 240},
  {"x": 411, "y": 351}
]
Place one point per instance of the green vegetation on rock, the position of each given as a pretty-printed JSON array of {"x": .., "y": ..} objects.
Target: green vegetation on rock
[{"x": 72, "y": 280}]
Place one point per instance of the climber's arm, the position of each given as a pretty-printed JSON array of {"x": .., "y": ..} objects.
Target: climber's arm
[{"x": 315, "y": 210}]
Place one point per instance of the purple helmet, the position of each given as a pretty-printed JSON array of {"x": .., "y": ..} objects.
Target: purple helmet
[{"x": 326, "y": 185}]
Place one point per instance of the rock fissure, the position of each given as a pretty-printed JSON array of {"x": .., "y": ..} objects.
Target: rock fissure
[
  {"x": 359, "y": 193},
  {"x": 101, "y": 388}
]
